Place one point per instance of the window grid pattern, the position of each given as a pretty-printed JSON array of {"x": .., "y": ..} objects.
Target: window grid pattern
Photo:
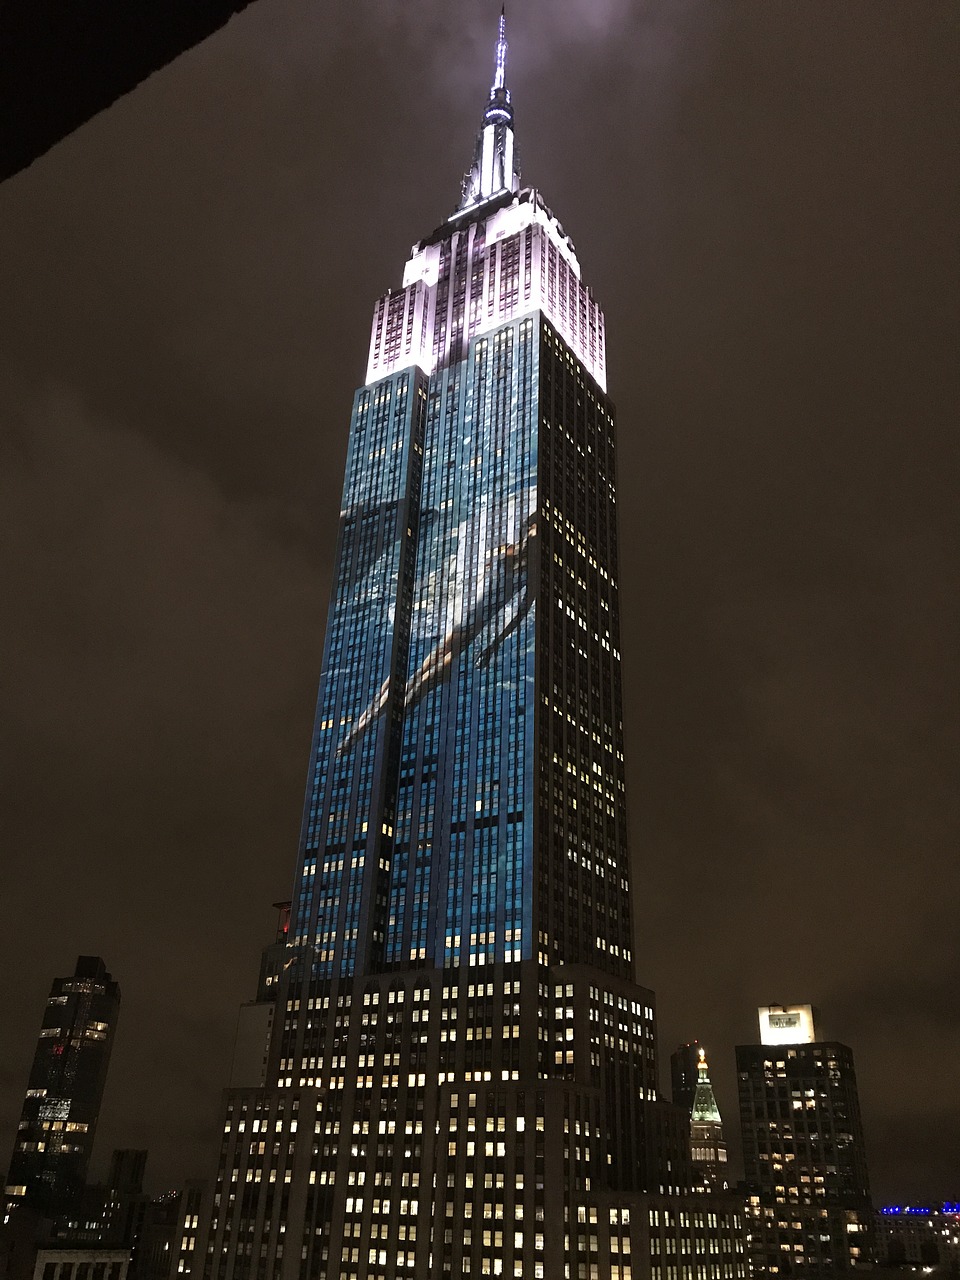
[
  {"x": 583, "y": 870},
  {"x": 804, "y": 1156},
  {"x": 346, "y": 834},
  {"x": 464, "y": 817}
]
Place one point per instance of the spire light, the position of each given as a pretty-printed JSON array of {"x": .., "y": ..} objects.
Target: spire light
[
  {"x": 499, "y": 79},
  {"x": 494, "y": 169}
]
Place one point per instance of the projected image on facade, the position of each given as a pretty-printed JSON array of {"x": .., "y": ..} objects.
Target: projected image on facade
[{"x": 487, "y": 588}]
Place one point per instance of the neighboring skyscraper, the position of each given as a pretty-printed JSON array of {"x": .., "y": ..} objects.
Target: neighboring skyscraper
[
  {"x": 187, "y": 1259},
  {"x": 803, "y": 1151},
  {"x": 693, "y": 1091},
  {"x": 62, "y": 1105},
  {"x": 684, "y": 1074},
  {"x": 255, "y": 1020},
  {"x": 707, "y": 1146},
  {"x": 462, "y": 1073},
  {"x": 127, "y": 1168}
]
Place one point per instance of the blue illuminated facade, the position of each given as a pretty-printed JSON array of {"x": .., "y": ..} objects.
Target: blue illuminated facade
[
  {"x": 462, "y": 881},
  {"x": 418, "y": 830},
  {"x": 350, "y": 804},
  {"x": 465, "y": 800},
  {"x": 948, "y": 1208}
]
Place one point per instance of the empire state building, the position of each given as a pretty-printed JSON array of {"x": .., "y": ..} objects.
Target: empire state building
[{"x": 450, "y": 1070}]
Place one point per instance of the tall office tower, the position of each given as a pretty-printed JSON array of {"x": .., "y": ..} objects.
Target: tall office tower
[
  {"x": 60, "y": 1111},
  {"x": 693, "y": 1092},
  {"x": 461, "y": 1077},
  {"x": 803, "y": 1151},
  {"x": 708, "y": 1148}
]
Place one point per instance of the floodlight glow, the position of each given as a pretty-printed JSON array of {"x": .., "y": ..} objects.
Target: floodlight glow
[{"x": 786, "y": 1024}]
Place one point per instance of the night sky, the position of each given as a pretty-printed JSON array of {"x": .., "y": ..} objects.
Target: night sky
[{"x": 764, "y": 197}]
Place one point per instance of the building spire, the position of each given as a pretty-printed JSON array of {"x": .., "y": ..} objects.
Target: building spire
[
  {"x": 705, "y": 1109},
  {"x": 499, "y": 79},
  {"x": 495, "y": 168}
]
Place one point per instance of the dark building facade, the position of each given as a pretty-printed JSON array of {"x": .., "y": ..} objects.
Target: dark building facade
[
  {"x": 188, "y": 1257},
  {"x": 684, "y": 1074},
  {"x": 461, "y": 1076},
  {"x": 804, "y": 1156},
  {"x": 58, "y": 1122}
]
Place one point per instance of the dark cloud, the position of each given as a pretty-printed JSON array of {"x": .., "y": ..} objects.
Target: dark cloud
[{"x": 764, "y": 198}]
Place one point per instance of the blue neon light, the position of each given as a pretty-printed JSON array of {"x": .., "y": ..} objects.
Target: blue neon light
[{"x": 951, "y": 1207}]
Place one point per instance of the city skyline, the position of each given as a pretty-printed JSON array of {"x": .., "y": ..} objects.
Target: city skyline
[{"x": 214, "y": 479}]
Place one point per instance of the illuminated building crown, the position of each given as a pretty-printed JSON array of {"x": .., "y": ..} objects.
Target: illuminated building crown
[{"x": 705, "y": 1109}]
